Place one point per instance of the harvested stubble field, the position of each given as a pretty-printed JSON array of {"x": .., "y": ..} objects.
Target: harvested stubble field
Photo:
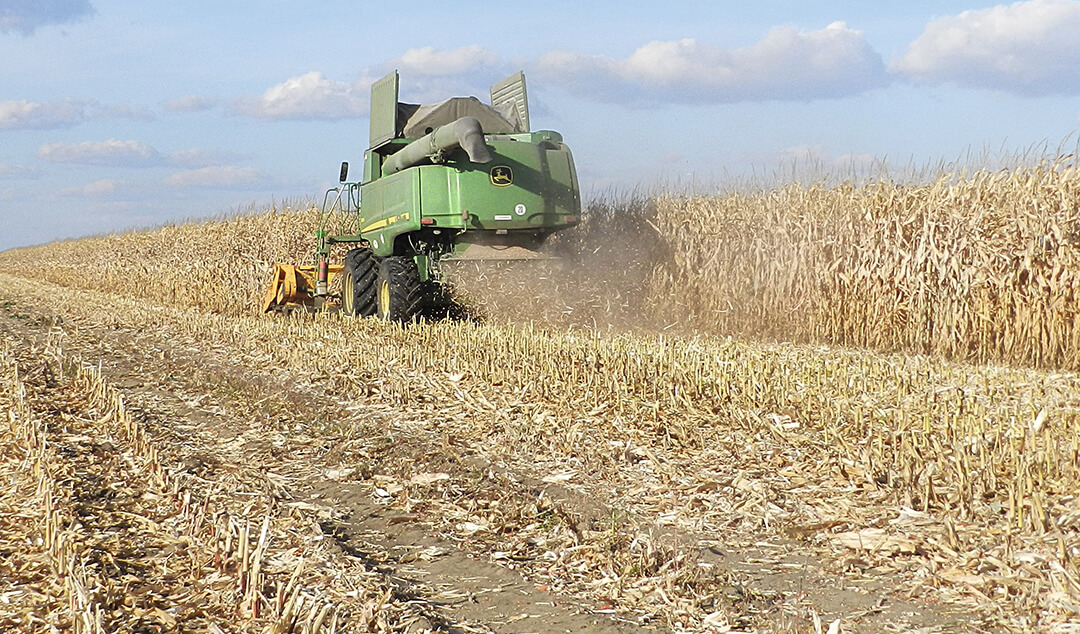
[{"x": 588, "y": 451}]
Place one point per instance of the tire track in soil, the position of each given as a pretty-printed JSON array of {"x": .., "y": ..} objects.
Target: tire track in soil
[
  {"x": 217, "y": 417},
  {"x": 215, "y": 437}
]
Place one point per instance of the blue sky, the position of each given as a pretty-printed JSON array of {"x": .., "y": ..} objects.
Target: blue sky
[{"x": 117, "y": 114}]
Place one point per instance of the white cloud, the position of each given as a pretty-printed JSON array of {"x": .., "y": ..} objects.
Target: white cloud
[
  {"x": 430, "y": 62},
  {"x": 92, "y": 190},
  {"x": 1026, "y": 47},
  {"x": 119, "y": 111},
  {"x": 203, "y": 158},
  {"x": 427, "y": 74},
  {"x": 26, "y": 115},
  {"x": 808, "y": 163},
  {"x": 116, "y": 153},
  {"x": 309, "y": 96},
  {"x": 190, "y": 103},
  {"x": 111, "y": 152},
  {"x": 786, "y": 64},
  {"x": 26, "y": 16},
  {"x": 221, "y": 176},
  {"x": 8, "y": 171},
  {"x": 802, "y": 153}
]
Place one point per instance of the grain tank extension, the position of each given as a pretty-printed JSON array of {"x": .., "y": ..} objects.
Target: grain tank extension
[{"x": 459, "y": 179}]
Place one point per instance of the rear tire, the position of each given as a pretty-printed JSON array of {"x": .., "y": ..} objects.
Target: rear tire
[
  {"x": 358, "y": 283},
  {"x": 400, "y": 294}
]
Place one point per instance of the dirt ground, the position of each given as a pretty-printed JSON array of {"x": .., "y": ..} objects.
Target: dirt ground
[{"x": 378, "y": 503}]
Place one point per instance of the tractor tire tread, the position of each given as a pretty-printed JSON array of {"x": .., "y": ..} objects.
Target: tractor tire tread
[
  {"x": 362, "y": 268},
  {"x": 407, "y": 297}
]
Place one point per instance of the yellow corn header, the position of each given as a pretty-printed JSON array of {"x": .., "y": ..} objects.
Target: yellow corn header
[{"x": 293, "y": 287}]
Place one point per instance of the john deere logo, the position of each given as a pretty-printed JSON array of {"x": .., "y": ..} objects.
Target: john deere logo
[{"x": 501, "y": 176}]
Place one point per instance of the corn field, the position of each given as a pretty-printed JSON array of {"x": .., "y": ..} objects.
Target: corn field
[
  {"x": 981, "y": 268},
  {"x": 954, "y": 481},
  {"x": 220, "y": 266}
]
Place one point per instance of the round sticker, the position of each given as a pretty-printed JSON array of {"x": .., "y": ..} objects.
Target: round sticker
[{"x": 520, "y": 209}]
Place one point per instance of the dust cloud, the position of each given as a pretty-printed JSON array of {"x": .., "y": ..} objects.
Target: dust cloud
[{"x": 600, "y": 279}]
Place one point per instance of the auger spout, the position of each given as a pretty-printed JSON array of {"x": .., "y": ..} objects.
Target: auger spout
[{"x": 465, "y": 133}]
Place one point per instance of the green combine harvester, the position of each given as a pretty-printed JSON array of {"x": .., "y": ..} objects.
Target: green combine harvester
[{"x": 456, "y": 180}]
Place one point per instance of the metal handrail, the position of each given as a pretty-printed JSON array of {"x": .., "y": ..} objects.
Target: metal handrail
[{"x": 340, "y": 217}]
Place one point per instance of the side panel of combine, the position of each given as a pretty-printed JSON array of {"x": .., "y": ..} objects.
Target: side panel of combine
[
  {"x": 509, "y": 97},
  {"x": 383, "y": 110},
  {"x": 396, "y": 203}
]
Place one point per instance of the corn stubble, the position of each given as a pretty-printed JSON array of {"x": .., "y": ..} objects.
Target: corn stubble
[
  {"x": 968, "y": 473},
  {"x": 959, "y": 478}
]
